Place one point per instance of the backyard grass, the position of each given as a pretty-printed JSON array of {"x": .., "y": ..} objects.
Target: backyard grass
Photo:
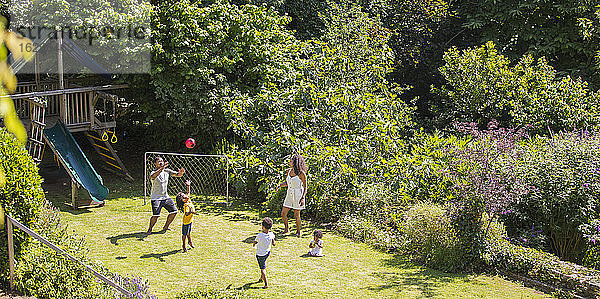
[{"x": 224, "y": 256}]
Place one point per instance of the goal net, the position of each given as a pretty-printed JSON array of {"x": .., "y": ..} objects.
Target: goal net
[{"x": 208, "y": 175}]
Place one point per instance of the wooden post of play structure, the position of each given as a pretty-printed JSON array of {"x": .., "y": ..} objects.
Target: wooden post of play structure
[
  {"x": 61, "y": 82},
  {"x": 36, "y": 66},
  {"x": 74, "y": 194},
  {"x": 11, "y": 254}
]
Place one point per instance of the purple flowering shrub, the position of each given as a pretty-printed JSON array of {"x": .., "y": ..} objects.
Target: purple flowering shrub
[
  {"x": 563, "y": 203},
  {"x": 483, "y": 170},
  {"x": 484, "y": 183},
  {"x": 137, "y": 286}
]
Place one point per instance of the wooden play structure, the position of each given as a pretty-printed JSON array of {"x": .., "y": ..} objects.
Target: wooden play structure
[{"x": 85, "y": 110}]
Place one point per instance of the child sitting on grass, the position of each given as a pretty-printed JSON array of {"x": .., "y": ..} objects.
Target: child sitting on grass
[
  {"x": 184, "y": 203},
  {"x": 264, "y": 240},
  {"x": 316, "y": 244}
]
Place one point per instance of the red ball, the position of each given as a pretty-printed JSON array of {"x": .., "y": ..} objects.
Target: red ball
[{"x": 190, "y": 143}]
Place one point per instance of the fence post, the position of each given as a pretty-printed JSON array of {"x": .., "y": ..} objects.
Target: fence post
[
  {"x": 74, "y": 194},
  {"x": 11, "y": 253}
]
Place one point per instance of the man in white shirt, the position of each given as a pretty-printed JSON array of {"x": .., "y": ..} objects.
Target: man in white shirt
[{"x": 158, "y": 194}]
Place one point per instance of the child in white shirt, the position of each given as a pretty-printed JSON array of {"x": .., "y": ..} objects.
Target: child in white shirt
[
  {"x": 264, "y": 240},
  {"x": 316, "y": 244}
]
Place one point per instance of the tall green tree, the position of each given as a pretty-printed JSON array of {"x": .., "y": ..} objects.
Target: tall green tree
[
  {"x": 484, "y": 85},
  {"x": 590, "y": 28},
  {"x": 344, "y": 115},
  {"x": 209, "y": 55},
  {"x": 539, "y": 28}
]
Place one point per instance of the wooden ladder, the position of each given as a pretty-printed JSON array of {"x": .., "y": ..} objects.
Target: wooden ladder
[
  {"x": 106, "y": 152},
  {"x": 38, "y": 123}
]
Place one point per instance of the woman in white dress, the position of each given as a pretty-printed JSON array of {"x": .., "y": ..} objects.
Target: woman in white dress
[{"x": 296, "y": 183}]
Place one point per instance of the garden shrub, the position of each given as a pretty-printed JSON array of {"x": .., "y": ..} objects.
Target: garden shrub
[
  {"x": 431, "y": 237},
  {"x": 483, "y": 186},
  {"x": 362, "y": 229},
  {"x": 569, "y": 278},
  {"x": 21, "y": 197},
  {"x": 564, "y": 202},
  {"x": 374, "y": 217},
  {"x": 592, "y": 257},
  {"x": 485, "y": 85},
  {"x": 44, "y": 273}
]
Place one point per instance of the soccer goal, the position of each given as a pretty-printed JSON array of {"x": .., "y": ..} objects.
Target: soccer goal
[{"x": 209, "y": 175}]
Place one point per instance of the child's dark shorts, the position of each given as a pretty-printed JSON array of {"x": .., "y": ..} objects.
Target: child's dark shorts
[
  {"x": 186, "y": 229},
  {"x": 168, "y": 204},
  {"x": 262, "y": 260}
]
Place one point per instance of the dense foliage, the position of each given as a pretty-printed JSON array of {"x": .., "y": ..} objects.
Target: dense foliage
[
  {"x": 21, "y": 196},
  {"x": 484, "y": 85},
  {"x": 114, "y": 34},
  {"x": 343, "y": 115},
  {"x": 563, "y": 204},
  {"x": 208, "y": 56},
  {"x": 538, "y": 28}
]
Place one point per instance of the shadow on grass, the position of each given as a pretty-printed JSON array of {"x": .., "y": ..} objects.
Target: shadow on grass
[
  {"x": 237, "y": 217},
  {"x": 251, "y": 286},
  {"x": 160, "y": 256},
  {"x": 304, "y": 233},
  {"x": 249, "y": 240},
  {"x": 427, "y": 281},
  {"x": 219, "y": 208},
  {"x": 115, "y": 239},
  {"x": 278, "y": 236}
]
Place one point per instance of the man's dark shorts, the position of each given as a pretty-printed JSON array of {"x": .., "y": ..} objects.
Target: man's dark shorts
[{"x": 168, "y": 204}]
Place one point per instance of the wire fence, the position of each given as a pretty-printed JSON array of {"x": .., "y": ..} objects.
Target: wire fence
[{"x": 209, "y": 175}]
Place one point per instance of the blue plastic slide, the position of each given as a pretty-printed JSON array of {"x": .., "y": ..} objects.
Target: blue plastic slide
[{"x": 75, "y": 161}]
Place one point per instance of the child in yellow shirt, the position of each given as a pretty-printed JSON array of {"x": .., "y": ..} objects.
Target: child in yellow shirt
[{"x": 185, "y": 204}]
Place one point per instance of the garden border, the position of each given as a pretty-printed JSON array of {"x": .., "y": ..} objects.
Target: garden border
[{"x": 11, "y": 257}]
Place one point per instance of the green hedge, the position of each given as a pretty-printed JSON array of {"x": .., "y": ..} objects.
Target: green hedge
[
  {"x": 567, "y": 278},
  {"x": 22, "y": 196},
  {"x": 432, "y": 240}
]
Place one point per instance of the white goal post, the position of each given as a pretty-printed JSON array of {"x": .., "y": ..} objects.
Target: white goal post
[{"x": 209, "y": 175}]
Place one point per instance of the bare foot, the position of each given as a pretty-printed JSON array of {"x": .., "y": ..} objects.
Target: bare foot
[
  {"x": 285, "y": 231},
  {"x": 191, "y": 245},
  {"x": 184, "y": 249},
  {"x": 265, "y": 287}
]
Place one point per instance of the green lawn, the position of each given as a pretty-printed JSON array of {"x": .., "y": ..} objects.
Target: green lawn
[{"x": 224, "y": 257}]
